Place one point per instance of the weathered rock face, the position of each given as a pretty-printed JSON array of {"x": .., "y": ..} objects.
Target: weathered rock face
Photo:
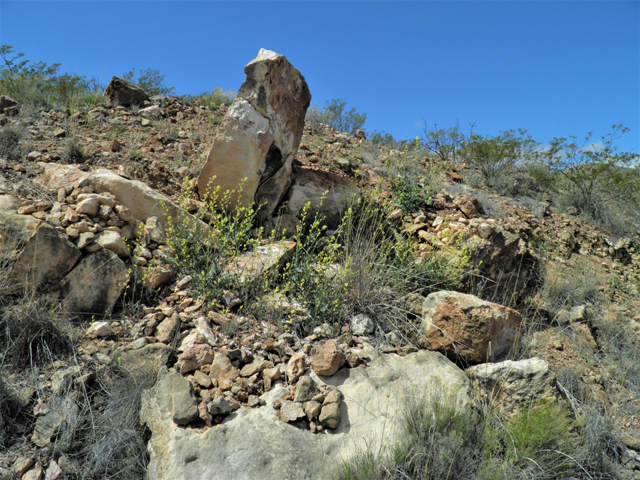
[
  {"x": 519, "y": 383},
  {"x": 47, "y": 256},
  {"x": 328, "y": 195},
  {"x": 464, "y": 326},
  {"x": 124, "y": 93},
  {"x": 143, "y": 201},
  {"x": 8, "y": 105},
  {"x": 259, "y": 136},
  {"x": 255, "y": 443},
  {"x": 503, "y": 257},
  {"x": 93, "y": 287}
]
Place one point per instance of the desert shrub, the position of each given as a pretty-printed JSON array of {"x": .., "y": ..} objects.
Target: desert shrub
[
  {"x": 444, "y": 143},
  {"x": 73, "y": 152},
  {"x": 437, "y": 442},
  {"x": 562, "y": 290},
  {"x": 409, "y": 195},
  {"x": 214, "y": 99},
  {"x": 204, "y": 245},
  {"x": 10, "y": 137},
  {"x": 335, "y": 116},
  {"x": 364, "y": 268},
  {"x": 42, "y": 85},
  {"x": 382, "y": 139},
  {"x": 499, "y": 158},
  {"x": 150, "y": 80},
  {"x": 596, "y": 178},
  {"x": 315, "y": 120}
]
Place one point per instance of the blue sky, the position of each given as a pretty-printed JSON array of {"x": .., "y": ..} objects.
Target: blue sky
[{"x": 555, "y": 68}]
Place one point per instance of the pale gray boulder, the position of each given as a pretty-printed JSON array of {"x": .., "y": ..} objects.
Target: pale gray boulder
[{"x": 255, "y": 443}]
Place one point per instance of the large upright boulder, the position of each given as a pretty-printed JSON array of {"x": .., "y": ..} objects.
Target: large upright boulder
[
  {"x": 259, "y": 136},
  {"x": 121, "y": 92}
]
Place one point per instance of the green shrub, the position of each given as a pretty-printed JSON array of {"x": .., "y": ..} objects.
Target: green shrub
[
  {"x": 151, "y": 81},
  {"x": 444, "y": 143},
  {"x": 499, "y": 158},
  {"x": 410, "y": 196},
  {"x": 336, "y": 117},
  {"x": 438, "y": 443},
  {"x": 204, "y": 245},
  {"x": 596, "y": 178},
  {"x": 10, "y": 137},
  {"x": 42, "y": 85}
]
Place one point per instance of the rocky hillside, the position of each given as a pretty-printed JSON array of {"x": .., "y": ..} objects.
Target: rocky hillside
[{"x": 151, "y": 324}]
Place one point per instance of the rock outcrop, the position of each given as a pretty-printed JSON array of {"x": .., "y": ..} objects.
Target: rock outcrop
[
  {"x": 466, "y": 327},
  {"x": 259, "y": 136},
  {"x": 255, "y": 443},
  {"x": 327, "y": 194},
  {"x": 121, "y": 92}
]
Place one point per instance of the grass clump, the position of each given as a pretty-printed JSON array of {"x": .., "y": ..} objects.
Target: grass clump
[
  {"x": 540, "y": 442},
  {"x": 33, "y": 329},
  {"x": 112, "y": 442},
  {"x": 10, "y": 137}
]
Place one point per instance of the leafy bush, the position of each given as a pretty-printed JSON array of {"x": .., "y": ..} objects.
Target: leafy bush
[
  {"x": 499, "y": 158},
  {"x": 151, "y": 81},
  {"x": 444, "y": 143},
  {"x": 41, "y": 85},
  {"x": 595, "y": 176},
  {"x": 335, "y": 116},
  {"x": 410, "y": 196}
]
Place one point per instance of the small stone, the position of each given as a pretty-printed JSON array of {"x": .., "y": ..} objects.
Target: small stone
[
  {"x": 330, "y": 415},
  {"x": 291, "y": 411},
  {"x": 312, "y": 409},
  {"x": 219, "y": 406},
  {"x": 362, "y": 325},
  {"x": 305, "y": 389},
  {"x": 99, "y": 329},
  {"x": 21, "y": 465},
  {"x": 328, "y": 359},
  {"x": 333, "y": 396},
  {"x": 88, "y": 206}
]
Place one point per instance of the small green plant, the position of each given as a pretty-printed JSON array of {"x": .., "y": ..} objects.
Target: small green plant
[{"x": 409, "y": 195}]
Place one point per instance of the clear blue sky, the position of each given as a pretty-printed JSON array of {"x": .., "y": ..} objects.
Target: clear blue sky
[{"x": 556, "y": 68}]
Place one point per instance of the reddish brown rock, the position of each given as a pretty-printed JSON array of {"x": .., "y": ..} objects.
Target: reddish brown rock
[
  {"x": 464, "y": 326},
  {"x": 328, "y": 359}
]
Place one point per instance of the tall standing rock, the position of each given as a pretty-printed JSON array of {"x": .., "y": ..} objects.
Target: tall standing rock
[{"x": 259, "y": 136}]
